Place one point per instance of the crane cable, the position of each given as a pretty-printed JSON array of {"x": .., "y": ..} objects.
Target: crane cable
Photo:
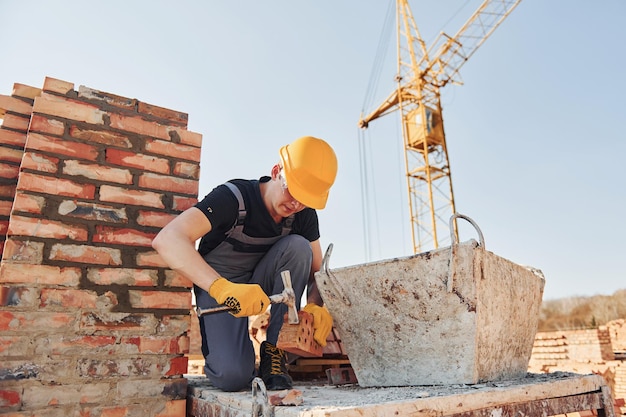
[
  {"x": 368, "y": 204},
  {"x": 379, "y": 58}
]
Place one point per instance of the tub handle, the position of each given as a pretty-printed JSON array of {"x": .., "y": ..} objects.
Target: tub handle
[
  {"x": 453, "y": 246},
  {"x": 331, "y": 277},
  {"x": 453, "y": 236}
]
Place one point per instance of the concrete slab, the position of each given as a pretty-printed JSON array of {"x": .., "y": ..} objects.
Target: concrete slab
[{"x": 533, "y": 390}]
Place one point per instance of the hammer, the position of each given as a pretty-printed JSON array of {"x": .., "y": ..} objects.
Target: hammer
[{"x": 288, "y": 296}]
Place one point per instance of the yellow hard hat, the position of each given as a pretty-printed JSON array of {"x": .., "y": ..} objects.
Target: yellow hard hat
[{"x": 310, "y": 167}]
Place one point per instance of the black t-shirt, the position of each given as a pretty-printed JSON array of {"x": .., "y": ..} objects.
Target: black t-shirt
[{"x": 220, "y": 206}]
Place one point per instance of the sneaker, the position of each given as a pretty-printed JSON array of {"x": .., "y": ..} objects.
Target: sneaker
[{"x": 273, "y": 368}]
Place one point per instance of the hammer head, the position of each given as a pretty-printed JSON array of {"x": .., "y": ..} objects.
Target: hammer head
[{"x": 289, "y": 298}]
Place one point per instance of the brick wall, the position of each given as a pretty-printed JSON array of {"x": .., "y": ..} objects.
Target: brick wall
[{"x": 92, "y": 323}]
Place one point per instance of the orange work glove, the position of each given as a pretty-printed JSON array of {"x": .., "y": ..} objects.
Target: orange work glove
[
  {"x": 243, "y": 299},
  {"x": 322, "y": 322}
]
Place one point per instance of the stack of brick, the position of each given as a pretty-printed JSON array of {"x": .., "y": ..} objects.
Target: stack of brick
[
  {"x": 584, "y": 352},
  {"x": 551, "y": 349},
  {"x": 92, "y": 322}
]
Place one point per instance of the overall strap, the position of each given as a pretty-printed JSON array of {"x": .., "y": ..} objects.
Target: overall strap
[
  {"x": 287, "y": 223},
  {"x": 242, "y": 207}
]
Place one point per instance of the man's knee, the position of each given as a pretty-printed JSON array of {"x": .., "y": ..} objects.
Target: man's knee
[
  {"x": 231, "y": 378},
  {"x": 297, "y": 246}
]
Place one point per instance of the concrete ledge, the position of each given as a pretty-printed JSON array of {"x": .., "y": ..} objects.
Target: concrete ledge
[{"x": 545, "y": 391}]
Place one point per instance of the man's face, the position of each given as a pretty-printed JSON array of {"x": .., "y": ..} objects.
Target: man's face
[{"x": 287, "y": 203}]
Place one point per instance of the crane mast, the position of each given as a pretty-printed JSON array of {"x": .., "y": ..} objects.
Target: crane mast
[{"x": 421, "y": 73}]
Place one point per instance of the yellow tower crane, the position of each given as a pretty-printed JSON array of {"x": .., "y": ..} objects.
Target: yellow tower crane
[{"x": 421, "y": 74}]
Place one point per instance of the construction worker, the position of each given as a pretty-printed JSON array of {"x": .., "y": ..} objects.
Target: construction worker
[{"x": 250, "y": 231}]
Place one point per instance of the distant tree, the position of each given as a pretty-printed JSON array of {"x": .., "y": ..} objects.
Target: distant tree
[{"x": 581, "y": 312}]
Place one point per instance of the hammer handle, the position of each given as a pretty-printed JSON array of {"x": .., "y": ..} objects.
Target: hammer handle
[{"x": 274, "y": 299}]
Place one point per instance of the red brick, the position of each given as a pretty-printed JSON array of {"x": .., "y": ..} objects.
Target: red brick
[
  {"x": 57, "y": 86},
  {"x": 178, "y": 366},
  {"x": 46, "y": 125},
  {"x": 44, "y": 396},
  {"x": 103, "y": 137},
  {"x": 153, "y": 218},
  {"x": 11, "y": 155},
  {"x": 39, "y": 162},
  {"x": 174, "y": 408},
  {"x": 55, "y": 186},
  {"x": 155, "y": 344},
  {"x": 68, "y": 109},
  {"x": 298, "y": 338},
  {"x": 5, "y": 207},
  {"x": 9, "y": 398},
  {"x": 133, "y": 197},
  {"x": 174, "y": 279},
  {"x": 187, "y": 170},
  {"x": 175, "y": 150},
  {"x": 15, "y": 346},
  {"x": 137, "y": 160},
  {"x": 39, "y": 274},
  {"x": 190, "y": 138},
  {"x": 9, "y": 137},
  {"x": 60, "y": 146},
  {"x": 97, "y": 172},
  {"x": 168, "y": 183},
  {"x": 9, "y": 171},
  {"x": 4, "y": 226},
  {"x": 151, "y": 258},
  {"x": 79, "y": 345},
  {"x": 91, "y": 211},
  {"x": 14, "y": 121},
  {"x": 181, "y": 203},
  {"x": 26, "y": 91},
  {"x": 133, "y": 323},
  {"x": 146, "y": 366},
  {"x": 37, "y": 227},
  {"x": 12, "y": 104},
  {"x": 117, "y": 412},
  {"x": 23, "y": 251},
  {"x": 28, "y": 203},
  {"x": 123, "y": 276},
  {"x": 108, "y": 98},
  {"x": 68, "y": 298},
  {"x": 179, "y": 118},
  {"x": 124, "y": 236},
  {"x": 160, "y": 299},
  {"x": 161, "y": 387},
  {"x": 86, "y": 254},
  {"x": 18, "y": 297},
  {"x": 7, "y": 190},
  {"x": 175, "y": 324},
  {"x": 139, "y": 126},
  {"x": 34, "y": 321}
]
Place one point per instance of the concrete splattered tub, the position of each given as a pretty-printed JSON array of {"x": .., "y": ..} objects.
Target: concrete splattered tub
[{"x": 457, "y": 315}]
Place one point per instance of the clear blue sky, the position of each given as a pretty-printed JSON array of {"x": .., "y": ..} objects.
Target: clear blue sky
[{"x": 535, "y": 134}]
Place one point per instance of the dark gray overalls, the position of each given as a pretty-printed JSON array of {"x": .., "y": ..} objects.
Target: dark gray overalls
[{"x": 226, "y": 345}]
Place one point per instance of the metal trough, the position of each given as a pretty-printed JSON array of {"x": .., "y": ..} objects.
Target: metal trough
[{"x": 457, "y": 315}]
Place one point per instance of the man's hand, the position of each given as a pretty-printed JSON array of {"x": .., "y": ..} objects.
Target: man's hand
[
  {"x": 322, "y": 322},
  {"x": 243, "y": 299}
]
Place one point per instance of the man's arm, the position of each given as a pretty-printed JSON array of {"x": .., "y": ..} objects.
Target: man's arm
[{"x": 176, "y": 243}]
